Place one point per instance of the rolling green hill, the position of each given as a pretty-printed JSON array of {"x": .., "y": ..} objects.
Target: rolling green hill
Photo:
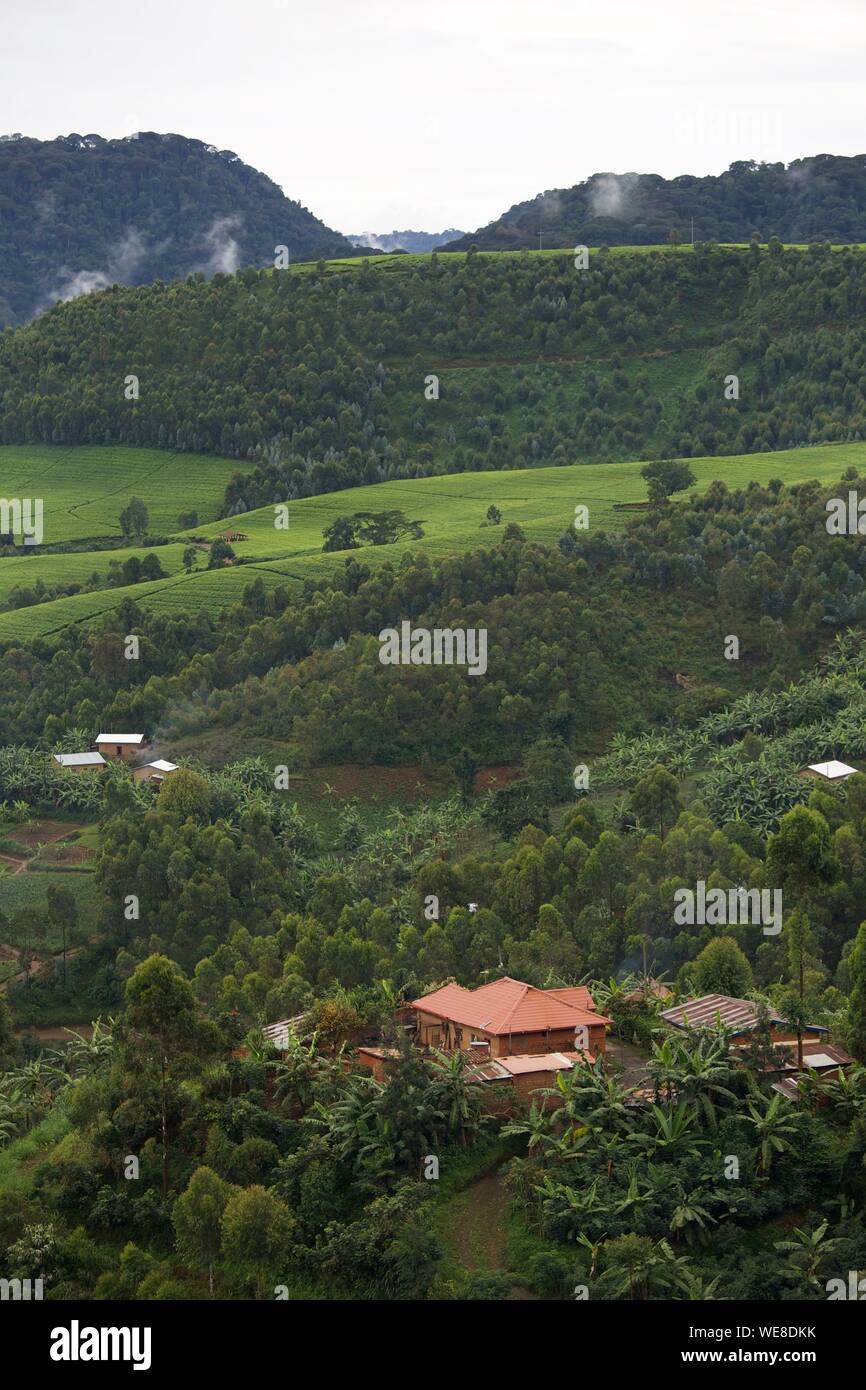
[
  {"x": 452, "y": 512},
  {"x": 327, "y": 377},
  {"x": 83, "y": 490}
]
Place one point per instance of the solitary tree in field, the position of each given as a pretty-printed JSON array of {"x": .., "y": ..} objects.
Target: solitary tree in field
[
  {"x": 675, "y": 237},
  {"x": 464, "y": 766},
  {"x": 62, "y": 915},
  {"x": 134, "y": 518},
  {"x": 220, "y": 553},
  {"x": 666, "y": 476},
  {"x": 151, "y": 568}
]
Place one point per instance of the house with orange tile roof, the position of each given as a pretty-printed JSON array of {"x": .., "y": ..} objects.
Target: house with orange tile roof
[{"x": 508, "y": 1018}]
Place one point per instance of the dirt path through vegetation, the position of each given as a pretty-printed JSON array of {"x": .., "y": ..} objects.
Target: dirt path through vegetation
[
  {"x": 480, "y": 1232},
  {"x": 38, "y": 965},
  {"x": 20, "y": 864},
  {"x": 55, "y": 1032}
]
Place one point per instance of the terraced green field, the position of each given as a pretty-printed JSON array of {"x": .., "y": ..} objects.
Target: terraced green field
[
  {"x": 84, "y": 489},
  {"x": 451, "y": 511},
  {"x": 77, "y": 568},
  {"x": 409, "y": 260}
]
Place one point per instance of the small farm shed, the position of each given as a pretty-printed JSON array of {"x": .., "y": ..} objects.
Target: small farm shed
[
  {"x": 79, "y": 762},
  {"x": 156, "y": 771},
  {"x": 833, "y": 771},
  {"x": 120, "y": 747}
]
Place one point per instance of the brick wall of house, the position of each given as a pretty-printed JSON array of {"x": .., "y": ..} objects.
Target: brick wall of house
[
  {"x": 536, "y": 1044},
  {"x": 528, "y": 1083}
]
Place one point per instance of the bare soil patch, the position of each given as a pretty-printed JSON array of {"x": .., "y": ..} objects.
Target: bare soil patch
[{"x": 45, "y": 832}]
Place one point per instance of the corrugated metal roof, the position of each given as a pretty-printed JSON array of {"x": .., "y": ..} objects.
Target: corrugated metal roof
[
  {"x": 549, "y": 1061},
  {"x": 119, "y": 738},
  {"x": 739, "y": 1015},
  {"x": 489, "y": 1071},
  {"x": 786, "y": 1087},
  {"x": 506, "y": 1006},
  {"x": 79, "y": 759},
  {"x": 820, "y": 1056},
  {"x": 284, "y": 1027}
]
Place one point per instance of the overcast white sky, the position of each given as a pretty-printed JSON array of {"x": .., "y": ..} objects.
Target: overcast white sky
[{"x": 435, "y": 113}]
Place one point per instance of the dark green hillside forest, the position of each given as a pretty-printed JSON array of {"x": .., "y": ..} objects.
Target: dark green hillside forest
[
  {"x": 320, "y": 375},
  {"x": 817, "y": 199},
  {"x": 538, "y": 821},
  {"x": 80, "y": 212}
]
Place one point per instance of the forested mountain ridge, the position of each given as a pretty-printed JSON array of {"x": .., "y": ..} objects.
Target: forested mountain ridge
[
  {"x": 822, "y": 198},
  {"x": 82, "y": 212},
  {"x": 321, "y": 375}
]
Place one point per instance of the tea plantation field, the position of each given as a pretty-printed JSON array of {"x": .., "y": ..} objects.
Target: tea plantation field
[
  {"x": 451, "y": 510},
  {"x": 84, "y": 489}
]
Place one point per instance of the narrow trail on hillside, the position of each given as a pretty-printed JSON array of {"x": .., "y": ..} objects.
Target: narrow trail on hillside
[
  {"x": 38, "y": 965},
  {"x": 480, "y": 1232},
  {"x": 20, "y": 864}
]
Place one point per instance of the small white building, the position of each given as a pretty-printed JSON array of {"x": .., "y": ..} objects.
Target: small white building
[
  {"x": 832, "y": 771},
  {"x": 79, "y": 762},
  {"x": 157, "y": 771}
]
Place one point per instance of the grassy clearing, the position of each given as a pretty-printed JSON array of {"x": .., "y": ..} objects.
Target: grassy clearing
[
  {"x": 30, "y": 889},
  {"x": 403, "y": 260},
  {"x": 451, "y": 510},
  {"x": 19, "y": 1159},
  {"x": 79, "y": 567},
  {"x": 467, "y": 1195}
]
